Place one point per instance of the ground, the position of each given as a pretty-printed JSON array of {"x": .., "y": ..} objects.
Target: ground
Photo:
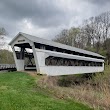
[
  {"x": 19, "y": 91},
  {"x": 89, "y": 89}
]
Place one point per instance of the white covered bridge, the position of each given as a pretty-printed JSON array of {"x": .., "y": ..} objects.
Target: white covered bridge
[{"x": 51, "y": 58}]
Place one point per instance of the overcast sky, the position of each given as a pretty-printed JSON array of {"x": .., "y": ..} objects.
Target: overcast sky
[{"x": 46, "y": 18}]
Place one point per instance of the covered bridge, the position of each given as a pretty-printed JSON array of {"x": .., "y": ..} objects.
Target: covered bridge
[{"x": 52, "y": 58}]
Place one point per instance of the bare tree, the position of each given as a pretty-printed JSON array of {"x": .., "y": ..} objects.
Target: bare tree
[
  {"x": 62, "y": 37},
  {"x": 2, "y": 37},
  {"x": 73, "y": 33},
  {"x": 92, "y": 34}
]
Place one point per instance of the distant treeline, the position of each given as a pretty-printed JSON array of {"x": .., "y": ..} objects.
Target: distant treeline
[
  {"x": 6, "y": 57},
  {"x": 93, "y": 35}
]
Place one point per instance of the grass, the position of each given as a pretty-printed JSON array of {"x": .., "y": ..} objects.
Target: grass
[
  {"x": 18, "y": 91},
  {"x": 94, "y": 91}
]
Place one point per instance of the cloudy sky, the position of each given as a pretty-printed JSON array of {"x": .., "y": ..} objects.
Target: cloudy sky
[{"x": 46, "y": 18}]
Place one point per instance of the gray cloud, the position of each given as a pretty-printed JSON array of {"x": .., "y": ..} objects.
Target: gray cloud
[
  {"x": 40, "y": 12},
  {"x": 99, "y": 2},
  {"x": 45, "y": 18}
]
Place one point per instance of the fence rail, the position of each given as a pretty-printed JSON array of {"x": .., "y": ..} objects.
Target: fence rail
[{"x": 8, "y": 67}]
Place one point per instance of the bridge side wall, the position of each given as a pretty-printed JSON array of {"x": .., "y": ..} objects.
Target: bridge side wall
[
  {"x": 60, "y": 70},
  {"x": 63, "y": 70}
]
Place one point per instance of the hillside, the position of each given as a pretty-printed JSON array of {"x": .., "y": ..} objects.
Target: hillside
[
  {"x": 6, "y": 57},
  {"x": 19, "y": 91},
  {"x": 89, "y": 89}
]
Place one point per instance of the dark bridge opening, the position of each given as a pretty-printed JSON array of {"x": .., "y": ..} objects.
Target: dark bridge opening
[
  {"x": 57, "y": 61},
  {"x": 25, "y": 53}
]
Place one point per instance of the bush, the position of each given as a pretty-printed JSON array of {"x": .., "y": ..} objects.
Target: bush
[{"x": 70, "y": 80}]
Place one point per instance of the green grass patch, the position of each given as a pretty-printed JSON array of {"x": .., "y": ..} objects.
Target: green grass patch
[{"x": 18, "y": 91}]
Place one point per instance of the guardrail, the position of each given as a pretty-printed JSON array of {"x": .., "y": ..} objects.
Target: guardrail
[{"x": 8, "y": 67}]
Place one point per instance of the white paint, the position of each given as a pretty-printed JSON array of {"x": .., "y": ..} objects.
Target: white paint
[
  {"x": 67, "y": 70},
  {"x": 31, "y": 68},
  {"x": 35, "y": 58},
  {"x": 31, "y": 39},
  {"x": 20, "y": 65},
  {"x": 20, "y": 38},
  {"x": 65, "y": 55},
  {"x": 40, "y": 55},
  {"x": 63, "y": 70}
]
